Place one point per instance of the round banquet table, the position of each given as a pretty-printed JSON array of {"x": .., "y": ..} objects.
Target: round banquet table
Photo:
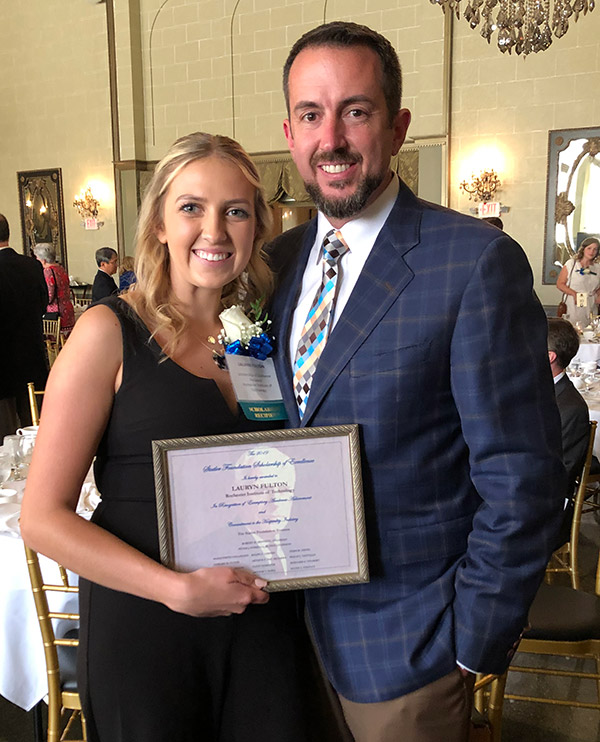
[
  {"x": 23, "y": 678},
  {"x": 593, "y": 402},
  {"x": 588, "y": 351}
]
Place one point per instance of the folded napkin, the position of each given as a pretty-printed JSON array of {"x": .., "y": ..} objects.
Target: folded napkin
[{"x": 88, "y": 499}]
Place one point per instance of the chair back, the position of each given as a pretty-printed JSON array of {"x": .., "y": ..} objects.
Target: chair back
[
  {"x": 84, "y": 302},
  {"x": 566, "y": 559},
  {"x": 52, "y": 338},
  {"x": 58, "y": 652},
  {"x": 33, "y": 404}
]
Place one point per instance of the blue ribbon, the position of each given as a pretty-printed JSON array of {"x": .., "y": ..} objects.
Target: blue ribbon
[
  {"x": 258, "y": 347},
  {"x": 585, "y": 272}
]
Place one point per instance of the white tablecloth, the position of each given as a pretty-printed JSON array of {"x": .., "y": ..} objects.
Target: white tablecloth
[
  {"x": 22, "y": 664},
  {"x": 588, "y": 351},
  {"x": 593, "y": 403}
]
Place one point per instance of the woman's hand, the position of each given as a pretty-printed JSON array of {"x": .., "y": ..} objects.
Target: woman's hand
[{"x": 216, "y": 591}]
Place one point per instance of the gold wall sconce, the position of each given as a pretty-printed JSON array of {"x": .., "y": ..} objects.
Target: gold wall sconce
[
  {"x": 482, "y": 187},
  {"x": 87, "y": 207}
]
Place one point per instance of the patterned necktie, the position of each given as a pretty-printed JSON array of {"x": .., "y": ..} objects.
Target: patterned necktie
[{"x": 316, "y": 328}]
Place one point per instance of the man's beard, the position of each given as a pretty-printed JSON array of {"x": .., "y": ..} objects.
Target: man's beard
[{"x": 344, "y": 207}]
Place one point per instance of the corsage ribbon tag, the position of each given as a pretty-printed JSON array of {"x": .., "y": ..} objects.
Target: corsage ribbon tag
[
  {"x": 256, "y": 387},
  {"x": 581, "y": 299}
]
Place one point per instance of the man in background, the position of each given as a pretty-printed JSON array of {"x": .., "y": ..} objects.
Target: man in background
[
  {"x": 419, "y": 324},
  {"x": 563, "y": 344},
  {"x": 23, "y": 302},
  {"x": 107, "y": 261}
]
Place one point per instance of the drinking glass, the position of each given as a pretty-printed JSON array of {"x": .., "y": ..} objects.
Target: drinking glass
[
  {"x": 5, "y": 471},
  {"x": 25, "y": 453},
  {"x": 14, "y": 445}
]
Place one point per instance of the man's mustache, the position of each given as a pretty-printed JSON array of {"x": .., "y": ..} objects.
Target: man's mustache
[{"x": 335, "y": 157}]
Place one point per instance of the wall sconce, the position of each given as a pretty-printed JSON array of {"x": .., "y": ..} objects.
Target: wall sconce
[
  {"x": 87, "y": 207},
  {"x": 483, "y": 186}
]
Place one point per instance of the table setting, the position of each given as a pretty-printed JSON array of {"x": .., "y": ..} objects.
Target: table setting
[
  {"x": 22, "y": 665},
  {"x": 585, "y": 376},
  {"x": 589, "y": 342}
]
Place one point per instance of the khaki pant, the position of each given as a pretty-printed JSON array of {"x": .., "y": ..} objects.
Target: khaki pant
[{"x": 438, "y": 712}]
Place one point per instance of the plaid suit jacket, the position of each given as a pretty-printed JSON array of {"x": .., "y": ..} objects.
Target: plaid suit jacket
[{"x": 440, "y": 355}]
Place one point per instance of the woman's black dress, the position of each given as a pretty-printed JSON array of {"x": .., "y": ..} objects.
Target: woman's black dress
[{"x": 146, "y": 673}]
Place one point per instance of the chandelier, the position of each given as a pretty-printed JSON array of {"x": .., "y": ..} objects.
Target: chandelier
[
  {"x": 523, "y": 25},
  {"x": 482, "y": 187}
]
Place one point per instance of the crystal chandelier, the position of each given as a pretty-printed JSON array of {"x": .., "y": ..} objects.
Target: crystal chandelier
[
  {"x": 523, "y": 25},
  {"x": 481, "y": 187},
  {"x": 86, "y": 205}
]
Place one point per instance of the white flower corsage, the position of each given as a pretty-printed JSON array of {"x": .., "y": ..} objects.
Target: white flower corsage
[{"x": 244, "y": 336}]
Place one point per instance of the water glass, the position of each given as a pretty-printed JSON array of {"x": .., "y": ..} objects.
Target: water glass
[
  {"x": 5, "y": 469},
  {"x": 13, "y": 444}
]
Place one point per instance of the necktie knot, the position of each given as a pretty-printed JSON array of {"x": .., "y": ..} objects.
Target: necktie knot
[{"x": 333, "y": 247}]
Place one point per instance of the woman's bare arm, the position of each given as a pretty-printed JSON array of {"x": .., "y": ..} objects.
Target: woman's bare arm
[
  {"x": 561, "y": 283},
  {"x": 77, "y": 404}
]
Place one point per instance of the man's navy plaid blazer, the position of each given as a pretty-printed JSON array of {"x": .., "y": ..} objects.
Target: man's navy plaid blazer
[{"x": 440, "y": 356}]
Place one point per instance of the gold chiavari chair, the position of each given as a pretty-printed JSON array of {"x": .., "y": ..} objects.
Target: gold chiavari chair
[
  {"x": 84, "y": 302},
  {"x": 64, "y": 705},
  {"x": 563, "y": 622},
  {"x": 33, "y": 403},
  {"x": 565, "y": 559},
  {"x": 52, "y": 337},
  {"x": 488, "y": 701}
]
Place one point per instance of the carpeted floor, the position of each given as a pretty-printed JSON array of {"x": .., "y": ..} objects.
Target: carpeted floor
[{"x": 16, "y": 725}]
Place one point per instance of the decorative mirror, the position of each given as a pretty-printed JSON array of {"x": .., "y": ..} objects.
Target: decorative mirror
[
  {"x": 42, "y": 210},
  {"x": 573, "y": 195}
]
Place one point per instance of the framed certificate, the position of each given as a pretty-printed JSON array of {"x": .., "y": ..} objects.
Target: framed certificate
[{"x": 285, "y": 504}]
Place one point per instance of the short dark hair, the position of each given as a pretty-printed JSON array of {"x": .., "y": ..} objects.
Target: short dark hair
[
  {"x": 563, "y": 340},
  {"x": 4, "y": 229},
  {"x": 494, "y": 220},
  {"x": 105, "y": 255},
  {"x": 347, "y": 34}
]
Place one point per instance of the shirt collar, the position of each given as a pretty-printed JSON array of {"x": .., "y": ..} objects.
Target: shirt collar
[
  {"x": 360, "y": 233},
  {"x": 558, "y": 377}
]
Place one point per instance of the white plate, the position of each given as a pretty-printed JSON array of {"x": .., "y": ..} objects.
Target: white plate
[
  {"x": 7, "y": 494},
  {"x": 12, "y": 524}
]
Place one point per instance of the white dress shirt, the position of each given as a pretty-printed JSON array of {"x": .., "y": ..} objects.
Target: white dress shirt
[{"x": 360, "y": 235}]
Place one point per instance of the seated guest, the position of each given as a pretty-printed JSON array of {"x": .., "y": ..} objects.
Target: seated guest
[
  {"x": 495, "y": 221},
  {"x": 563, "y": 344},
  {"x": 126, "y": 274},
  {"x": 107, "y": 261},
  {"x": 59, "y": 290}
]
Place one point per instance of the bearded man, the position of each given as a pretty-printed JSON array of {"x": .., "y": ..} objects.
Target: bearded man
[{"x": 419, "y": 324}]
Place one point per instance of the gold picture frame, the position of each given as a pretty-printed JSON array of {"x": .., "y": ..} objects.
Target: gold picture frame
[
  {"x": 41, "y": 205},
  {"x": 285, "y": 504}
]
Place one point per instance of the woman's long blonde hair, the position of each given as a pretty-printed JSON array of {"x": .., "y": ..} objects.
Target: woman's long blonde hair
[{"x": 153, "y": 298}]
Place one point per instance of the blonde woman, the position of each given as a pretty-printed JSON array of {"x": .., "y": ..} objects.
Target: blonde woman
[
  {"x": 126, "y": 273},
  {"x": 166, "y": 656},
  {"x": 581, "y": 274}
]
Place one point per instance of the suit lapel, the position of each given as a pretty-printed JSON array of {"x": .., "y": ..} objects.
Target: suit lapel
[{"x": 384, "y": 276}]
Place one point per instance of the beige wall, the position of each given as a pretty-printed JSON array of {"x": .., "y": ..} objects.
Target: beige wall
[
  {"x": 509, "y": 103},
  {"x": 175, "y": 76},
  {"x": 195, "y": 45},
  {"x": 55, "y": 112}
]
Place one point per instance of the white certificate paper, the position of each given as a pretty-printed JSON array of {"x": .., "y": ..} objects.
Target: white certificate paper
[{"x": 285, "y": 504}]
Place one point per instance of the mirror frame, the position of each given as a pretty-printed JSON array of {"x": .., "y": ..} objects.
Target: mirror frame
[
  {"x": 558, "y": 206},
  {"x": 48, "y": 185}
]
